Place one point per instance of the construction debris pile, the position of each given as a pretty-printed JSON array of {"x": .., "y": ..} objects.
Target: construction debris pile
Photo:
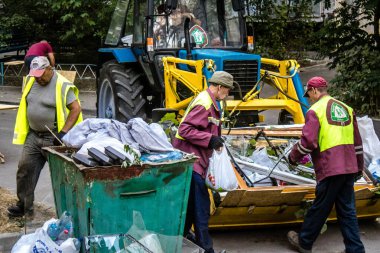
[
  {"x": 262, "y": 163},
  {"x": 260, "y": 155}
]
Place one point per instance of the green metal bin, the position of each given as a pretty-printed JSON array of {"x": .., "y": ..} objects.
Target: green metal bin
[{"x": 102, "y": 200}]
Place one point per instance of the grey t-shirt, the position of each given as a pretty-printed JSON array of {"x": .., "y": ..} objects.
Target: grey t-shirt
[{"x": 41, "y": 107}]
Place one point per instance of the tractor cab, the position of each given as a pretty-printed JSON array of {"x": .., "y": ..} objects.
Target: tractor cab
[
  {"x": 192, "y": 38},
  {"x": 212, "y": 24}
]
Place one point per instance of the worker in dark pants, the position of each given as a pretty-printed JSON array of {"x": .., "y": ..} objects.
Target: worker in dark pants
[
  {"x": 48, "y": 100},
  {"x": 199, "y": 133},
  {"x": 332, "y": 137}
]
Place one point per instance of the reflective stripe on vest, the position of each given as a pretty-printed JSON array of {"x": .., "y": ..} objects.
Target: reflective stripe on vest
[
  {"x": 335, "y": 119},
  {"x": 62, "y": 87},
  {"x": 204, "y": 100}
]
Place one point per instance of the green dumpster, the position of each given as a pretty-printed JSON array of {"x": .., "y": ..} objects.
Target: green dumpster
[{"x": 103, "y": 200}]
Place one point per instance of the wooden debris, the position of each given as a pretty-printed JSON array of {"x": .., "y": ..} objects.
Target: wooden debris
[
  {"x": 6, "y": 107},
  {"x": 274, "y": 132}
]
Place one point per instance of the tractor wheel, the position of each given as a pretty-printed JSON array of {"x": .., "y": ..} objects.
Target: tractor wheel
[{"x": 120, "y": 93}]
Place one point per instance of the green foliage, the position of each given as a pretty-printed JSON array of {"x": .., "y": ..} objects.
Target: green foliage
[
  {"x": 355, "y": 55},
  {"x": 58, "y": 21},
  {"x": 136, "y": 158},
  {"x": 82, "y": 19},
  {"x": 169, "y": 117},
  {"x": 283, "y": 29},
  {"x": 14, "y": 26},
  {"x": 251, "y": 147}
]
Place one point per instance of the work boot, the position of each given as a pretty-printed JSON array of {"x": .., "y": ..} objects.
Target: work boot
[
  {"x": 18, "y": 211},
  {"x": 294, "y": 241}
]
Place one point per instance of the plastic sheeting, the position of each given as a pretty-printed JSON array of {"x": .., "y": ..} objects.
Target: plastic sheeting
[
  {"x": 96, "y": 129},
  {"x": 151, "y": 138},
  {"x": 136, "y": 134},
  {"x": 371, "y": 143}
]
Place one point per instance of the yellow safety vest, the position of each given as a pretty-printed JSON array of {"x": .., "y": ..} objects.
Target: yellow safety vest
[
  {"x": 204, "y": 100},
  {"x": 22, "y": 124},
  {"x": 336, "y": 123}
]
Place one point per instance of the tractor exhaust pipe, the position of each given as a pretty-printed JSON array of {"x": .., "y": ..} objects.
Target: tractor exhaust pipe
[{"x": 187, "y": 38}]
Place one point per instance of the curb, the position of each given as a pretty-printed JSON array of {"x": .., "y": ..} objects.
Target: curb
[{"x": 7, "y": 240}]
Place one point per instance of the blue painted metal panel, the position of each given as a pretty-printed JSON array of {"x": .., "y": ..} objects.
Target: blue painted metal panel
[
  {"x": 122, "y": 55},
  {"x": 219, "y": 56},
  {"x": 299, "y": 90}
]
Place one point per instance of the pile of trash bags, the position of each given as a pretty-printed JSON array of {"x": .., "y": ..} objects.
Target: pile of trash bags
[
  {"x": 108, "y": 142},
  {"x": 55, "y": 236}
]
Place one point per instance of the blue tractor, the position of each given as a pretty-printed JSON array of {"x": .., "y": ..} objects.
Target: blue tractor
[{"x": 133, "y": 79}]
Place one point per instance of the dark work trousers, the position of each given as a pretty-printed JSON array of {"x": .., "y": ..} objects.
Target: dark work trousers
[
  {"x": 198, "y": 212},
  {"x": 32, "y": 161},
  {"x": 338, "y": 190}
]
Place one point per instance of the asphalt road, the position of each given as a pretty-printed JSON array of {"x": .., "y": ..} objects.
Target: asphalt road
[{"x": 260, "y": 240}]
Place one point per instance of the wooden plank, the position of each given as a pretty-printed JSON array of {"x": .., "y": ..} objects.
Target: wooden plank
[
  {"x": 274, "y": 133},
  {"x": 242, "y": 184},
  {"x": 264, "y": 143},
  {"x": 272, "y": 197},
  {"x": 232, "y": 198},
  {"x": 364, "y": 193},
  {"x": 294, "y": 197},
  {"x": 69, "y": 75},
  {"x": 14, "y": 63},
  {"x": 262, "y": 197},
  {"x": 7, "y": 107}
]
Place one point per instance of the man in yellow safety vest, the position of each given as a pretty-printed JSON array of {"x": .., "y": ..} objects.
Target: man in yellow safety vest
[
  {"x": 200, "y": 133},
  {"x": 48, "y": 101},
  {"x": 332, "y": 137}
]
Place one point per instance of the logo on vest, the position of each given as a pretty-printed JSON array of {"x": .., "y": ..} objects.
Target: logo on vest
[{"x": 339, "y": 113}]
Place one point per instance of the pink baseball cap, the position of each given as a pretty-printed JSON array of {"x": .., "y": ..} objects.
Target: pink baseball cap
[
  {"x": 38, "y": 66},
  {"x": 315, "y": 82}
]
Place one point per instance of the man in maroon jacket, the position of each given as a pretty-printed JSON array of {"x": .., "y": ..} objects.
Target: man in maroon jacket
[
  {"x": 199, "y": 133},
  {"x": 332, "y": 138},
  {"x": 42, "y": 48}
]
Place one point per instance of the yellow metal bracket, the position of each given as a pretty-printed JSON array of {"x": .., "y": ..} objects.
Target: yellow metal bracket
[{"x": 192, "y": 78}]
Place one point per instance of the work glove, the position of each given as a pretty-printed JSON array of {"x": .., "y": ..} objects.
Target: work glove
[
  {"x": 60, "y": 136},
  {"x": 216, "y": 142},
  {"x": 358, "y": 175}
]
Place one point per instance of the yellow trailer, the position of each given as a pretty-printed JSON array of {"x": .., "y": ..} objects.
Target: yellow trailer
[{"x": 276, "y": 205}]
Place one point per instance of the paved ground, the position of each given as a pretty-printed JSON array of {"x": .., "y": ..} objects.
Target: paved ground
[{"x": 263, "y": 240}]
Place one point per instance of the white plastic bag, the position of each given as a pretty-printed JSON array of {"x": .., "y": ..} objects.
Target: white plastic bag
[
  {"x": 24, "y": 244},
  {"x": 371, "y": 143},
  {"x": 43, "y": 243},
  {"x": 374, "y": 168},
  {"x": 221, "y": 170}
]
